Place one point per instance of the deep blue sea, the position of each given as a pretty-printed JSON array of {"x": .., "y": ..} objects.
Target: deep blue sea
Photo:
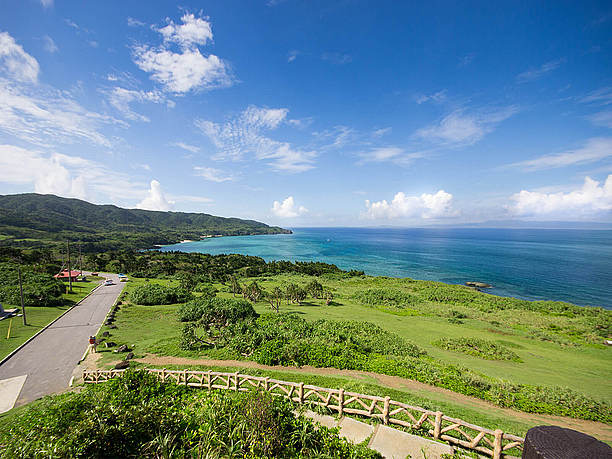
[{"x": 534, "y": 264}]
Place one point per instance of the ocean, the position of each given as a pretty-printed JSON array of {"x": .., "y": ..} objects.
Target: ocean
[{"x": 533, "y": 264}]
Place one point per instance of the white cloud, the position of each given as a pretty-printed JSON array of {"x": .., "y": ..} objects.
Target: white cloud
[
  {"x": 595, "y": 149},
  {"x": 42, "y": 115},
  {"x": 156, "y": 199},
  {"x": 64, "y": 175},
  {"x": 187, "y": 70},
  {"x": 392, "y": 154},
  {"x": 15, "y": 61},
  {"x": 134, "y": 22},
  {"x": 186, "y": 146},
  {"x": 243, "y": 135},
  {"x": 46, "y": 3},
  {"x": 602, "y": 119},
  {"x": 402, "y": 206},
  {"x": 287, "y": 208},
  {"x": 212, "y": 174},
  {"x": 337, "y": 58},
  {"x": 534, "y": 74},
  {"x": 381, "y": 132},
  {"x": 120, "y": 98},
  {"x": 293, "y": 54},
  {"x": 49, "y": 45},
  {"x": 437, "y": 97},
  {"x": 460, "y": 128},
  {"x": 601, "y": 96},
  {"x": 193, "y": 31},
  {"x": 593, "y": 198}
]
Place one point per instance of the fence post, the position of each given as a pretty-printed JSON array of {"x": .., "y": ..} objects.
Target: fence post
[
  {"x": 236, "y": 381},
  {"x": 341, "y": 402},
  {"x": 185, "y": 376},
  {"x": 163, "y": 378},
  {"x": 438, "y": 425},
  {"x": 497, "y": 444},
  {"x": 301, "y": 392},
  {"x": 209, "y": 379},
  {"x": 267, "y": 383},
  {"x": 386, "y": 410}
]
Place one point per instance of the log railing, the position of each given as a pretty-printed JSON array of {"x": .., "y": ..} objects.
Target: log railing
[{"x": 493, "y": 443}]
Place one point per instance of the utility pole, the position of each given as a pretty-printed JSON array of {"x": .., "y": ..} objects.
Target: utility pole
[
  {"x": 80, "y": 260},
  {"x": 23, "y": 311},
  {"x": 69, "y": 270}
]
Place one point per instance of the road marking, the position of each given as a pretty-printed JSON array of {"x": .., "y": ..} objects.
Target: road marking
[{"x": 9, "y": 392}]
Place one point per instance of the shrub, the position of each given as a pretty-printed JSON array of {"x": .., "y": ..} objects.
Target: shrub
[
  {"x": 476, "y": 347},
  {"x": 153, "y": 294},
  {"x": 213, "y": 310},
  {"x": 384, "y": 297},
  {"x": 137, "y": 416}
]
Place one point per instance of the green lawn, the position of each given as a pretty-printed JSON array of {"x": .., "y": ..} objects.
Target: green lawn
[
  {"x": 39, "y": 317},
  {"x": 584, "y": 368}
]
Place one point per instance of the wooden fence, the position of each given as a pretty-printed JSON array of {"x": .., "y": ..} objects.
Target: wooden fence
[{"x": 455, "y": 431}]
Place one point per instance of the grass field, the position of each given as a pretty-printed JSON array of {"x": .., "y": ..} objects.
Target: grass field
[
  {"x": 39, "y": 317},
  {"x": 584, "y": 368}
]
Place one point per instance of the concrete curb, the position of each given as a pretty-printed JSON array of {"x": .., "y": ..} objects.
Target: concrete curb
[
  {"x": 48, "y": 325},
  {"x": 98, "y": 330}
]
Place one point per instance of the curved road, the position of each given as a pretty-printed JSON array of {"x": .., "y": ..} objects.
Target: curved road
[{"x": 49, "y": 359}]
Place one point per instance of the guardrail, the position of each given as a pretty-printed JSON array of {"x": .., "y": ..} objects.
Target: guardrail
[{"x": 455, "y": 431}]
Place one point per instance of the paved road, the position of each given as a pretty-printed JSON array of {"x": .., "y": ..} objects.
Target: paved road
[{"x": 50, "y": 358}]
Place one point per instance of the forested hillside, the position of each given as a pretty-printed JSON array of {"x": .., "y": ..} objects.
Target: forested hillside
[{"x": 33, "y": 220}]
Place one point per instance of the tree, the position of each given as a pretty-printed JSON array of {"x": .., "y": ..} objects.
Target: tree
[
  {"x": 314, "y": 289},
  {"x": 235, "y": 285},
  {"x": 253, "y": 292},
  {"x": 275, "y": 297},
  {"x": 329, "y": 296}
]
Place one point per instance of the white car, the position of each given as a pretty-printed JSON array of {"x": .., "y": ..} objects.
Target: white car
[{"x": 109, "y": 282}]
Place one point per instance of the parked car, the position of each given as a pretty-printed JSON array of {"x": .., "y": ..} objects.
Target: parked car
[
  {"x": 109, "y": 282},
  {"x": 94, "y": 274}
]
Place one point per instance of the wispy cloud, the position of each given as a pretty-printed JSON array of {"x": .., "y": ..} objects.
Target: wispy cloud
[
  {"x": 292, "y": 55},
  {"x": 49, "y": 45},
  {"x": 337, "y": 58},
  {"x": 461, "y": 128},
  {"x": 594, "y": 149},
  {"x": 46, "y": 3},
  {"x": 437, "y": 97},
  {"x": 244, "y": 135},
  {"x": 602, "y": 119},
  {"x": 121, "y": 98},
  {"x": 601, "y": 96},
  {"x": 15, "y": 61},
  {"x": 213, "y": 175},
  {"x": 391, "y": 154},
  {"x": 535, "y": 73},
  {"x": 188, "y": 69},
  {"x": 186, "y": 146},
  {"x": 466, "y": 60},
  {"x": 134, "y": 22}
]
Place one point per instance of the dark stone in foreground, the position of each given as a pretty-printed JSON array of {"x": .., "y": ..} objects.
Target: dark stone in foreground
[
  {"x": 122, "y": 348},
  {"x": 106, "y": 334},
  {"x": 553, "y": 442},
  {"x": 129, "y": 356},
  {"x": 110, "y": 344},
  {"x": 112, "y": 327},
  {"x": 122, "y": 365},
  {"x": 478, "y": 284}
]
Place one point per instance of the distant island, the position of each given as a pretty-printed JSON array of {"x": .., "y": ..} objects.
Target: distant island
[{"x": 38, "y": 220}]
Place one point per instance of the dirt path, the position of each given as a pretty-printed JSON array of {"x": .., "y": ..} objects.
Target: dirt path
[{"x": 597, "y": 429}]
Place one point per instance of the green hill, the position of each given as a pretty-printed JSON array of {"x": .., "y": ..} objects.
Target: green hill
[{"x": 34, "y": 220}]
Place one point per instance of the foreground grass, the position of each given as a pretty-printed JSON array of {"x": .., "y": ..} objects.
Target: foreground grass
[{"x": 39, "y": 317}]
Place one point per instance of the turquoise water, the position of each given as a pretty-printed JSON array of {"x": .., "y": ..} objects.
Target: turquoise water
[{"x": 568, "y": 265}]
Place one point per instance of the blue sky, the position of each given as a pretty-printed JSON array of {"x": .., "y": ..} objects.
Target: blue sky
[{"x": 312, "y": 113}]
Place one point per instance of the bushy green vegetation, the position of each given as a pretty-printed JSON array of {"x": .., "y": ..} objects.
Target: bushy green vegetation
[
  {"x": 150, "y": 294},
  {"x": 384, "y": 297},
  {"x": 34, "y": 220},
  {"x": 482, "y": 348},
  {"x": 286, "y": 339},
  {"x": 39, "y": 289},
  {"x": 138, "y": 416}
]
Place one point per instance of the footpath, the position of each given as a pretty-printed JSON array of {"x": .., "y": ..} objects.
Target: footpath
[{"x": 45, "y": 364}]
